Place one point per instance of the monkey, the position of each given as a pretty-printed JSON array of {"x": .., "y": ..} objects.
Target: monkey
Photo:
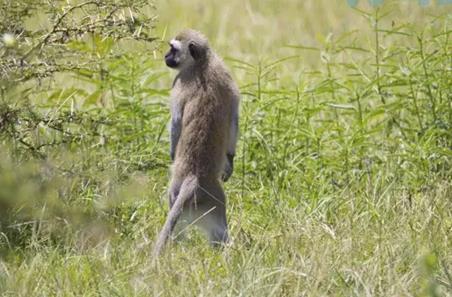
[{"x": 204, "y": 103}]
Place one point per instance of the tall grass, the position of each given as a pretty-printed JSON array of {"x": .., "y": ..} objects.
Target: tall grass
[{"x": 343, "y": 179}]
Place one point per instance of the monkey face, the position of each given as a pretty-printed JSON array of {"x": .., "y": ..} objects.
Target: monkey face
[
  {"x": 172, "y": 57},
  {"x": 176, "y": 57},
  {"x": 180, "y": 55}
]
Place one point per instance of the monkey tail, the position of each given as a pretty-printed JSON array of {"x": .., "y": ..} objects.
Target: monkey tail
[{"x": 187, "y": 191}]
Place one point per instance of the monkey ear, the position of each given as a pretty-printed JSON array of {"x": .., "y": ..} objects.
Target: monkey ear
[{"x": 196, "y": 51}]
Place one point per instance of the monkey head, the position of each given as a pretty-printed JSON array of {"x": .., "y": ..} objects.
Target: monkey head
[{"x": 187, "y": 49}]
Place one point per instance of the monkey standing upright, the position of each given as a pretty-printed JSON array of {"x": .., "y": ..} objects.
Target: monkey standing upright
[{"x": 204, "y": 128}]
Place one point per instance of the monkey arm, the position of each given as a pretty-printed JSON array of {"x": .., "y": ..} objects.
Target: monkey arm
[
  {"x": 232, "y": 142},
  {"x": 175, "y": 130}
]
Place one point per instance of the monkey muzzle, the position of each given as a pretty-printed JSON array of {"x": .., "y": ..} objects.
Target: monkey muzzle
[{"x": 171, "y": 60}]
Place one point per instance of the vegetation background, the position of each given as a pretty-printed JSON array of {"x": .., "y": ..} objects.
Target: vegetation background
[{"x": 343, "y": 174}]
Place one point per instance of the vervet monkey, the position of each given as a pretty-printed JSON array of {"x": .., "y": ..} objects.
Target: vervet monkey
[{"x": 204, "y": 128}]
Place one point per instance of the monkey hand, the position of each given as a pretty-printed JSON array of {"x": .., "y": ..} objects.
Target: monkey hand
[{"x": 228, "y": 168}]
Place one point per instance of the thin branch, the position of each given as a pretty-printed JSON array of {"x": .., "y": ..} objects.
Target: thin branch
[{"x": 55, "y": 26}]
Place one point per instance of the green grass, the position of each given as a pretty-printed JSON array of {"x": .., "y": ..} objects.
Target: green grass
[{"x": 342, "y": 184}]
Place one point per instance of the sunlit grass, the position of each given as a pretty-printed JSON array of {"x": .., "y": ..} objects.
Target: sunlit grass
[{"x": 343, "y": 174}]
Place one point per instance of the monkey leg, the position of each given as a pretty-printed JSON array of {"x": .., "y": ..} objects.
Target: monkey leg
[
  {"x": 207, "y": 210},
  {"x": 211, "y": 212},
  {"x": 217, "y": 229}
]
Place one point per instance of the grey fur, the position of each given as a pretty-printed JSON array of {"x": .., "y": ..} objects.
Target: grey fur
[{"x": 204, "y": 131}]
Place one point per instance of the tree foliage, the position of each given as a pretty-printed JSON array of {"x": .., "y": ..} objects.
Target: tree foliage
[
  {"x": 60, "y": 40},
  {"x": 66, "y": 102}
]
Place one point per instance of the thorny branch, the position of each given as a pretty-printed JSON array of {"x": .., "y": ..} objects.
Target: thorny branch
[
  {"x": 33, "y": 55},
  {"x": 68, "y": 43}
]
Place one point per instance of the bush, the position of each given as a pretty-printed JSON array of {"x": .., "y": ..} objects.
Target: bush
[{"x": 70, "y": 112}]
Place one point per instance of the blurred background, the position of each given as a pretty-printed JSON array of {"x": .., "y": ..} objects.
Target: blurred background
[
  {"x": 343, "y": 172},
  {"x": 260, "y": 29}
]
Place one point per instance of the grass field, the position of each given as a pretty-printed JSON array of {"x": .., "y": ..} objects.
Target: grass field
[{"x": 343, "y": 178}]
